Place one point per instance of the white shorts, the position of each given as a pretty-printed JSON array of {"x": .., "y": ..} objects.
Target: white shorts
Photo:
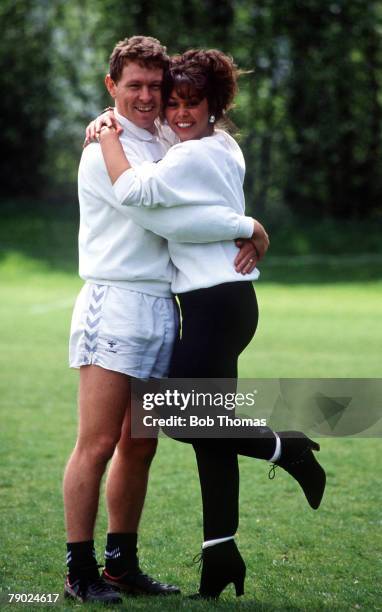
[{"x": 123, "y": 330}]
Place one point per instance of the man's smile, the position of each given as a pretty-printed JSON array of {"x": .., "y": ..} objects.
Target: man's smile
[{"x": 145, "y": 109}]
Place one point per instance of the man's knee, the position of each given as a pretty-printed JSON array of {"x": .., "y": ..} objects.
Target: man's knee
[
  {"x": 140, "y": 450},
  {"x": 97, "y": 450}
]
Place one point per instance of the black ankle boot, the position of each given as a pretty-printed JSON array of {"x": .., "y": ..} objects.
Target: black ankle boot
[
  {"x": 299, "y": 461},
  {"x": 221, "y": 564}
]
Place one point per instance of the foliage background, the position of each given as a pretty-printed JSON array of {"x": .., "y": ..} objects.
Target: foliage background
[{"x": 309, "y": 113}]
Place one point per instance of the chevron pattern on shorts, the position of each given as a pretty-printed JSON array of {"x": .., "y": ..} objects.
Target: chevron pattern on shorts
[{"x": 93, "y": 318}]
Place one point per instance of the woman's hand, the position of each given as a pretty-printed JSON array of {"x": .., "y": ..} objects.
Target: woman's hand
[
  {"x": 113, "y": 153},
  {"x": 94, "y": 128},
  {"x": 107, "y": 133}
]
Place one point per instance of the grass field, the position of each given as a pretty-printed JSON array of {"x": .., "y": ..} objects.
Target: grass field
[{"x": 297, "y": 559}]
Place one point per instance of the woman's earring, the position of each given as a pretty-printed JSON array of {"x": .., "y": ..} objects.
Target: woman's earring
[{"x": 211, "y": 119}]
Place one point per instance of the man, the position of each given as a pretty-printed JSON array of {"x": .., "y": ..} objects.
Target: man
[{"x": 123, "y": 326}]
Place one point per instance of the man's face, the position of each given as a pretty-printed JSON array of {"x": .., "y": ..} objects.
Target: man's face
[{"x": 137, "y": 94}]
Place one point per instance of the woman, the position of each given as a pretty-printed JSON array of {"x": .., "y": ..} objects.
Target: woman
[{"x": 219, "y": 308}]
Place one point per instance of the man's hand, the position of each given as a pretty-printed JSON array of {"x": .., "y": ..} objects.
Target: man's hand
[
  {"x": 260, "y": 239},
  {"x": 251, "y": 249},
  {"x": 94, "y": 128},
  {"x": 246, "y": 259}
]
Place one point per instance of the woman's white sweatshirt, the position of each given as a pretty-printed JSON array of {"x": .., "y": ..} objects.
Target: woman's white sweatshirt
[{"x": 208, "y": 172}]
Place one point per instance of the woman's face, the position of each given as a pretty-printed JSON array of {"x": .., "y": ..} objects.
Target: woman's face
[{"x": 188, "y": 117}]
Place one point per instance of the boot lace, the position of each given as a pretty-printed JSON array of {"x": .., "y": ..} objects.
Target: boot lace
[
  {"x": 198, "y": 559},
  {"x": 272, "y": 471},
  {"x": 296, "y": 461}
]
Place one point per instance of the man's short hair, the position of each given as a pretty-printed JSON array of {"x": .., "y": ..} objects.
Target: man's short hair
[{"x": 144, "y": 50}]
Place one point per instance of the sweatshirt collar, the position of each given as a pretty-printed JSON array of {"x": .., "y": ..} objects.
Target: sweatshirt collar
[{"x": 134, "y": 130}]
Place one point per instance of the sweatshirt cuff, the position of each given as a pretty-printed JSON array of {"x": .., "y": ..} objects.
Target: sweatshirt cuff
[
  {"x": 123, "y": 186},
  {"x": 245, "y": 228}
]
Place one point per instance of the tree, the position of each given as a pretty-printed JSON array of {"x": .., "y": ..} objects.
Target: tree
[
  {"x": 334, "y": 108},
  {"x": 26, "y": 98},
  {"x": 309, "y": 108}
]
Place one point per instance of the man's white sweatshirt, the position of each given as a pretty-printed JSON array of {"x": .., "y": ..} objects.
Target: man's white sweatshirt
[{"x": 119, "y": 245}]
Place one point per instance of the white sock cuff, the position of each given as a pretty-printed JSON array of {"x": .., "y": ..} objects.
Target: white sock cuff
[
  {"x": 276, "y": 455},
  {"x": 208, "y": 543}
]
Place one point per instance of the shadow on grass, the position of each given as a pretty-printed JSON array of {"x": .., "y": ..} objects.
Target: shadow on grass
[
  {"x": 254, "y": 606},
  {"x": 47, "y": 233}
]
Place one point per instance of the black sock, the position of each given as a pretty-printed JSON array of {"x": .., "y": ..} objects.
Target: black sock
[
  {"x": 121, "y": 553},
  {"x": 81, "y": 559}
]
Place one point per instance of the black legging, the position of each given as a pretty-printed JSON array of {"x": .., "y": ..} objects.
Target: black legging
[{"x": 217, "y": 324}]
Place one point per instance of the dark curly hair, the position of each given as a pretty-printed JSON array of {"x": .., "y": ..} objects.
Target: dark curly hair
[
  {"x": 144, "y": 50},
  {"x": 203, "y": 73}
]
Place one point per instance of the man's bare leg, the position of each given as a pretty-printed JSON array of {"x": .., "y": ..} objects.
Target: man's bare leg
[
  {"x": 126, "y": 483},
  {"x": 125, "y": 492},
  {"x": 102, "y": 401}
]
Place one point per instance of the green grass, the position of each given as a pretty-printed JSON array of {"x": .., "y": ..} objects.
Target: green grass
[
  {"x": 297, "y": 559},
  {"x": 319, "y": 330}
]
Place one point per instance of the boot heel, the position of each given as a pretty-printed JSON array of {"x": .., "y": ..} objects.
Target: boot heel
[
  {"x": 314, "y": 445},
  {"x": 239, "y": 586},
  {"x": 222, "y": 564}
]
